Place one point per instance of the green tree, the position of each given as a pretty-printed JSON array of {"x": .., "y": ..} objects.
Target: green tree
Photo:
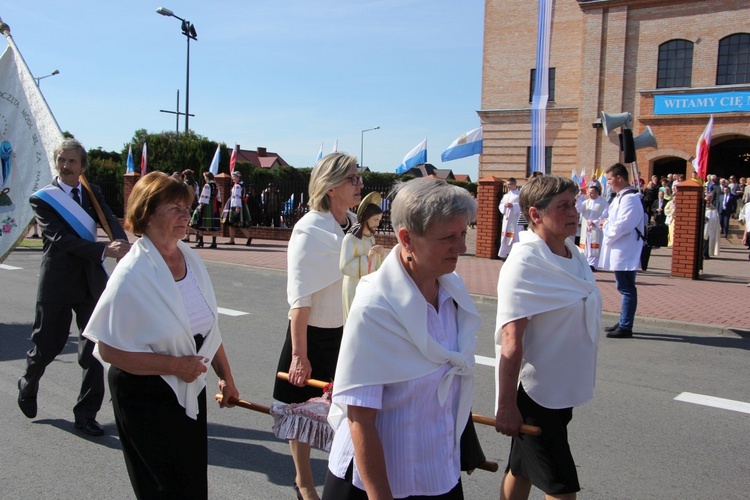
[{"x": 169, "y": 152}]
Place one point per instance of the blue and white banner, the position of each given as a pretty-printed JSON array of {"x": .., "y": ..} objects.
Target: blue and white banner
[
  {"x": 320, "y": 153},
  {"x": 541, "y": 89},
  {"x": 416, "y": 156},
  {"x": 28, "y": 137},
  {"x": 715, "y": 102},
  {"x": 129, "y": 163},
  {"x": 468, "y": 144}
]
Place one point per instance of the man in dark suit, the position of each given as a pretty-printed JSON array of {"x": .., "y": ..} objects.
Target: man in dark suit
[
  {"x": 727, "y": 204},
  {"x": 72, "y": 278}
]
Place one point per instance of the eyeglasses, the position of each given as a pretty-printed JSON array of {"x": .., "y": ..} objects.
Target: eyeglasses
[{"x": 355, "y": 179}]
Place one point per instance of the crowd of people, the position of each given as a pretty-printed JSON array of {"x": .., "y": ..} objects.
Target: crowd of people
[{"x": 394, "y": 329}]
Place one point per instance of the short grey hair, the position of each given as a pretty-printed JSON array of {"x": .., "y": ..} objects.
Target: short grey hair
[
  {"x": 422, "y": 202},
  {"x": 329, "y": 172},
  {"x": 72, "y": 144}
]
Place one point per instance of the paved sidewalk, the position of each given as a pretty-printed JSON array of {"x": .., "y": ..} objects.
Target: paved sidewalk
[{"x": 717, "y": 303}]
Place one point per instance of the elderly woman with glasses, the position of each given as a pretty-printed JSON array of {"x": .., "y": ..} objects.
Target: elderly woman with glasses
[
  {"x": 314, "y": 288},
  {"x": 156, "y": 324},
  {"x": 404, "y": 380},
  {"x": 548, "y": 320}
]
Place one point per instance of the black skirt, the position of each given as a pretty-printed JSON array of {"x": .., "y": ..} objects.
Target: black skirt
[
  {"x": 166, "y": 452},
  {"x": 323, "y": 346}
]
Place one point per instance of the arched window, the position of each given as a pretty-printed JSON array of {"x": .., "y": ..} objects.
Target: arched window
[
  {"x": 675, "y": 64},
  {"x": 733, "y": 66}
]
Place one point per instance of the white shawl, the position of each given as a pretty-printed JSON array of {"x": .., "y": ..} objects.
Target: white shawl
[
  {"x": 313, "y": 254},
  {"x": 530, "y": 283},
  {"x": 386, "y": 340},
  {"x": 141, "y": 310}
]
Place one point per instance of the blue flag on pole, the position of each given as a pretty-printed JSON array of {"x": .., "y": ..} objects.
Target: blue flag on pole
[
  {"x": 129, "y": 162},
  {"x": 416, "y": 156},
  {"x": 468, "y": 144},
  {"x": 320, "y": 153}
]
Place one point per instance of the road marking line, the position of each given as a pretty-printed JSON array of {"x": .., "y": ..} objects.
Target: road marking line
[
  {"x": 484, "y": 360},
  {"x": 725, "y": 404},
  {"x": 231, "y": 312},
  {"x": 9, "y": 268}
]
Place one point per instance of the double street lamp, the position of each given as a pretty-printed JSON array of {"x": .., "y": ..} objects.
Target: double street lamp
[
  {"x": 188, "y": 29},
  {"x": 55, "y": 72},
  {"x": 362, "y": 145}
]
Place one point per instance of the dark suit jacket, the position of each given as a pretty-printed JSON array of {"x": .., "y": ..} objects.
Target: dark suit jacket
[
  {"x": 71, "y": 268},
  {"x": 659, "y": 217},
  {"x": 731, "y": 203}
]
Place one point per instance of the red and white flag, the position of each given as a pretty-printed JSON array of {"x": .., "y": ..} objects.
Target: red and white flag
[
  {"x": 233, "y": 159},
  {"x": 144, "y": 167},
  {"x": 583, "y": 179},
  {"x": 700, "y": 163}
]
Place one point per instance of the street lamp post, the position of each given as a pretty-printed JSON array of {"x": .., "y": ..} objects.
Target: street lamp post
[
  {"x": 188, "y": 29},
  {"x": 362, "y": 145},
  {"x": 55, "y": 72}
]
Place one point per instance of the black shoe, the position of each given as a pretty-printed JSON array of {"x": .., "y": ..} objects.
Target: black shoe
[
  {"x": 90, "y": 426},
  {"x": 35, "y": 235},
  {"x": 26, "y": 402},
  {"x": 612, "y": 328},
  {"x": 249, "y": 242},
  {"x": 229, "y": 243},
  {"x": 212, "y": 245},
  {"x": 199, "y": 244},
  {"x": 620, "y": 333}
]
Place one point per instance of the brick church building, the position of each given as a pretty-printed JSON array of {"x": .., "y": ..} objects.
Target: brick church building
[{"x": 669, "y": 63}]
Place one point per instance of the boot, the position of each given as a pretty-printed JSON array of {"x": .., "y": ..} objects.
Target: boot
[
  {"x": 199, "y": 241},
  {"x": 213, "y": 243},
  {"x": 249, "y": 241}
]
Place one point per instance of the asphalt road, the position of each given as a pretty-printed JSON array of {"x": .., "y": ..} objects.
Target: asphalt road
[{"x": 634, "y": 440}]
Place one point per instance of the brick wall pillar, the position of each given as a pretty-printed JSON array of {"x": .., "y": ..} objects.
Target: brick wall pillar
[
  {"x": 688, "y": 228},
  {"x": 224, "y": 183},
  {"x": 488, "y": 217},
  {"x": 128, "y": 182}
]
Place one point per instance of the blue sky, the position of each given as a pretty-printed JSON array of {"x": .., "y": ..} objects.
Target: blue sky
[{"x": 283, "y": 75}]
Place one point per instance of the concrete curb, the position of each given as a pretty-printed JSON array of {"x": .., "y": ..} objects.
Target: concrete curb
[{"x": 685, "y": 326}]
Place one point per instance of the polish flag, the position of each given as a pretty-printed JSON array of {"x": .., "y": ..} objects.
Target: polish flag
[
  {"x": 144, "y": 169},
  {"x": 700, "y": 163},
  {"x": 233, "y": 159}
]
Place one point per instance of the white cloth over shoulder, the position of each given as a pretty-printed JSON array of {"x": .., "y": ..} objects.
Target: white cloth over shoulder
[
  {"x": 313, "y": 254},
  {"x": 533, "y": 285},
  {"x": 386, "y": 339},
  {"x": 141, "y": 310}
]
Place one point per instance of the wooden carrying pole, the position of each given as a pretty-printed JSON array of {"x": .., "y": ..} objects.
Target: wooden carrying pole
[
  {"x": 531, "y": 430},
  {"x": 97, "y": 208}
]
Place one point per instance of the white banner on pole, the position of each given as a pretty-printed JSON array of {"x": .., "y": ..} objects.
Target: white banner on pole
[{"x": 28, "y": 137}]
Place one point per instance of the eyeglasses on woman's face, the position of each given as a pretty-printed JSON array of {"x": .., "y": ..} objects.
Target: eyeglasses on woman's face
[{"x": 355, "y": 179}]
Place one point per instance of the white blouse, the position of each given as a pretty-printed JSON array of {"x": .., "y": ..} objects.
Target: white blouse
[{"x": 416, "y": 431}]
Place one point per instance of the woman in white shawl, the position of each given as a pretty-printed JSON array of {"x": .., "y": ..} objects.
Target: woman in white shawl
[
  {"x": 548, "y": 321},
  {"x": 156, "y": 326},
  {"x": 404, "y": 380},
  {"x": 316, "y": 315}
]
